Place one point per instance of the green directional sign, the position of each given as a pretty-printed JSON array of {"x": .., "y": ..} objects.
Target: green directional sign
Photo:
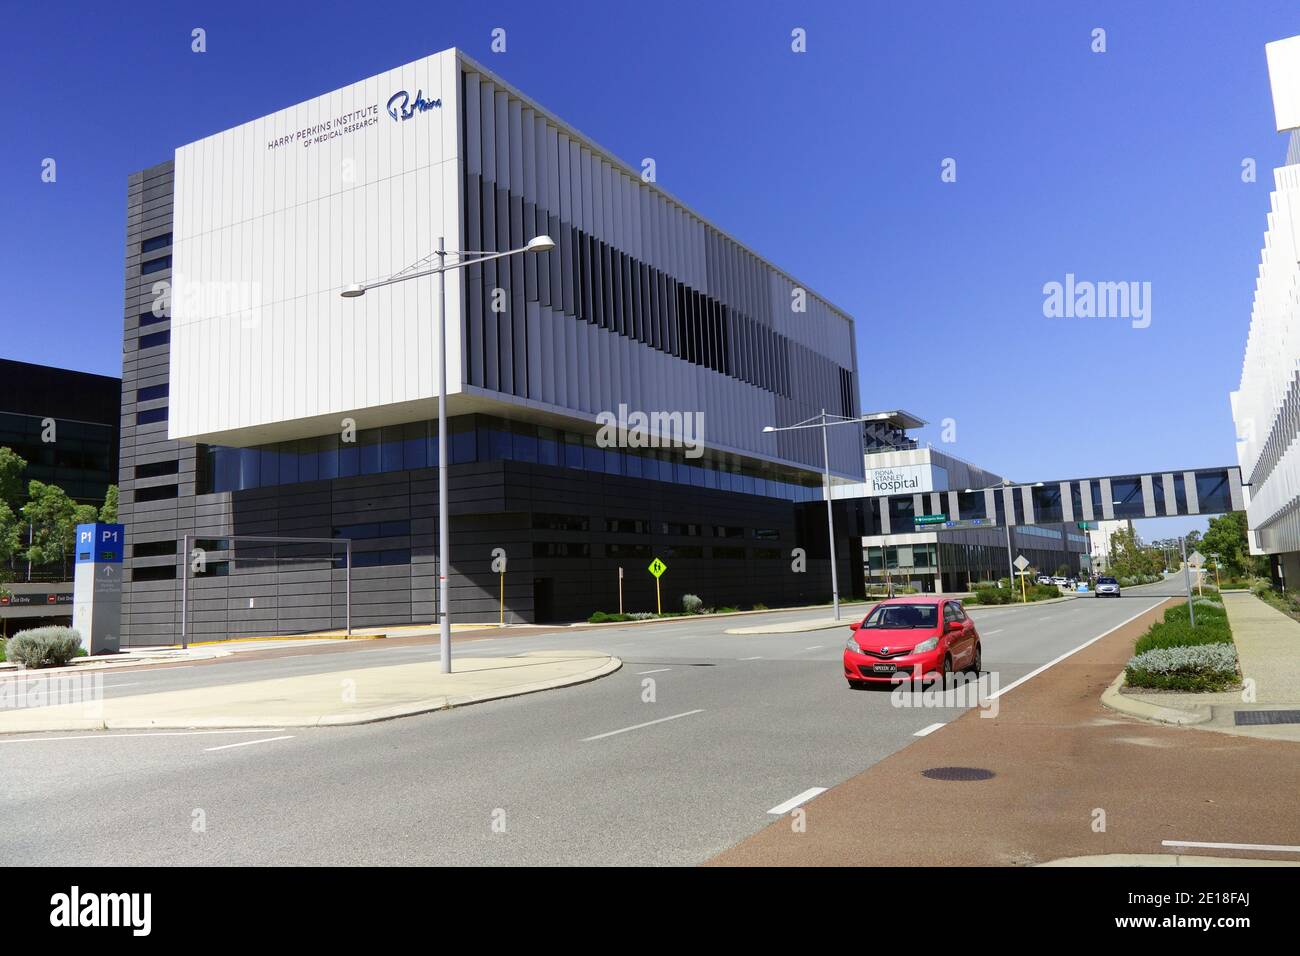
[
  {"x": 657, "y": 567},
  {"x": 929, "y": 519}
]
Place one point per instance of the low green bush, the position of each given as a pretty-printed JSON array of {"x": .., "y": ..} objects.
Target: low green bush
[
  {"x": 44, "y": 646},
  {"x": 1176, "y": 630},
  {"x": 691, "y": 604},
  {"x": 641, "y": 615},
  {"x": 602, "y": 617},
  {"x": 1205, "y": 667},
  {"x": 759, "y": 607},
  {"x": 993, "y": 596}
]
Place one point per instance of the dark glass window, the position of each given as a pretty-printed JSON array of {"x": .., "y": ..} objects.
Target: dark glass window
[
  {"x": 156, "y": 469},
  {"x": 554, "y": 522},
  {"x": 679, "y": 528},
  {"x": 156, "y": 243},
  {"x": 627, "y": 550},
  {"x": 153, "y": 339},
  {"x": 1126, "y": 497},
  {"x": 626, "y": 526},
  {"x": 148, "y": 318},
  {"x": 150, "y": 392},
  {"x": 1212, "y": 493},
  {"x": 153, "y": 549},
  {"x": 561, "y": 549},
  {"x": 166, "y": 572},
  {"x": 371, "y": 559},
  {"x": 155, "y": 265},
  {"x": 151, "y": 416},
  {"x": 156, "y": 493},
  {"x": 728, "y": 553}
]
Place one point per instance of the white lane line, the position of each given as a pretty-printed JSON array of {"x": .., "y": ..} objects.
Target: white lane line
[
  {"x": 793, "y": 802},
  {"x": 1270, "y": 847},
  {"x": 998, "y": 631},
  {"x": 751, "y": 658},
  {"x": 249, "y": 743},
  {"x": 648, "y": 723},
  {"x": 1052, "y": 663},
  {"x": 815, "y": 647},
  {"x": 159, "y": 733},
  {"x": 927, "y": 731},
  {"x": 657, "y": 670}
]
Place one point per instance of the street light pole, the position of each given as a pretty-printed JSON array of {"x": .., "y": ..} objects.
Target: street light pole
[
  {"x": 355, "y": 290},
  {"x": 824, "y": 421},
  {"x": 830, "y": 520},
  {"x": 444, "y": 518}
]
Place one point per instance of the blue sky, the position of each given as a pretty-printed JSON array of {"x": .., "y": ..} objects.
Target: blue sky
[{"x": 1115, "y": 166}]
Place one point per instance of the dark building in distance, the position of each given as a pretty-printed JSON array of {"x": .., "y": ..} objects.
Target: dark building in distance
[{"x": 78, "y": 409}]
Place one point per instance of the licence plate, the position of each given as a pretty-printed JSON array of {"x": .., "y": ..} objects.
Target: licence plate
[{"x": 884, "y": 668}]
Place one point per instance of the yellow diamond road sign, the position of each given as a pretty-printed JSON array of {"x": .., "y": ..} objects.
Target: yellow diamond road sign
[{"x": 657, "y": 567}]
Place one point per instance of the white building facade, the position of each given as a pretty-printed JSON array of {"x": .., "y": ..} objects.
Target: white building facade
[{"x": 1266, "y": 404}]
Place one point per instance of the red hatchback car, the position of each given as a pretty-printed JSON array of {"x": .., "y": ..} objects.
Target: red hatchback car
[{"x": 911, "y": 637}]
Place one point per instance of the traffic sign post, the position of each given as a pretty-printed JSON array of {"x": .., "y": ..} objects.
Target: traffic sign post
[
  {"x": 620, "y": 589},
  {"x": 1197, "y": 561},
  {"x": 1187, "y": 577},
  {"x": 1021, "y": 563},
  {"x": 97, "y": 587},
  {"x": 657, "y": 568}
]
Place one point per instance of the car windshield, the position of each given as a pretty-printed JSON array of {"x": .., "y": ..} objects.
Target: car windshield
[
  {"x": 903, "y": 616},
  {"x": 1107, "y": 581}
]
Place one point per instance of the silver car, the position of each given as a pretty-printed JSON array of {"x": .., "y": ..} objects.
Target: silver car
[{"x": 1107, "y": 587}]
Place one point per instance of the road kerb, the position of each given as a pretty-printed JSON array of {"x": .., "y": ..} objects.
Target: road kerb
[
  {"x": 1161, "y": 859},
  {"x": 1112, "y": 698}
]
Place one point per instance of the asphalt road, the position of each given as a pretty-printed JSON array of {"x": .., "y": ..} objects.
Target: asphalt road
[{"x": 593, "y": 774}]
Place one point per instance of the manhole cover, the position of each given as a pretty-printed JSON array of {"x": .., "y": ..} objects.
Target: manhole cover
[
  {"x": 957, "y": 773},
  {"x": 1245, "y": 718}
]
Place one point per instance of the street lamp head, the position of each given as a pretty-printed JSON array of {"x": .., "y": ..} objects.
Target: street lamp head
[
  {"x": 768, "y": 428},
  {"x": 540, "y": 244},
  {"x": 353, "y": 291}
]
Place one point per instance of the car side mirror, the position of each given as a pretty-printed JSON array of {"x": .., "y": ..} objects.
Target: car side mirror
[{"x": 953, "y": 626}]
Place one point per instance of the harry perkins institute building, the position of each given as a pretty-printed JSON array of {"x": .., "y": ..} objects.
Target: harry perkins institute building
[{"x": 257, "y": 402}]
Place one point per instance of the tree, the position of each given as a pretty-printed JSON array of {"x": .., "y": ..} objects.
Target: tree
[
  {"x": 53, "y": 517},
  {"x": 1130, "y": 559},
  {"x": 1227, "y": 538},
  {"x": 11, "y": 478},
  {"x": 108, "y": 513}
]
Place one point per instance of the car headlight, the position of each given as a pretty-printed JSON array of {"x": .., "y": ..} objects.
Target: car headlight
[
  {"x": 852, "y": 645},
  {"x": 926, "y": 646}
]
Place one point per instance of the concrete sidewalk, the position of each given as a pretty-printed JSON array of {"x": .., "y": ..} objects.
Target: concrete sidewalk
[
  {"x": 355, "y": 696},
  {"x": 1268, "y": 652}
]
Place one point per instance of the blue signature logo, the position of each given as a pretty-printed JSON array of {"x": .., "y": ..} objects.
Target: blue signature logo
[{"x": 401, "y": 107}]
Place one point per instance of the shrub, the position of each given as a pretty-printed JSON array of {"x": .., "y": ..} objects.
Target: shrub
[
  {"x": 1261, "y": 588},
  {"x": 759, "y": 607},
  {"x": 641, "y": 615},
  {"x": 44, "y": 646},
  {"x": 691, "y": 604},
  {"x": 1176, "y": 630},
  {"x": 726, "y": 609},
  {"x": 603, "y": 617},
  {"x": 1206, "y": 667},
  {"x": 993, "y": 596}
]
